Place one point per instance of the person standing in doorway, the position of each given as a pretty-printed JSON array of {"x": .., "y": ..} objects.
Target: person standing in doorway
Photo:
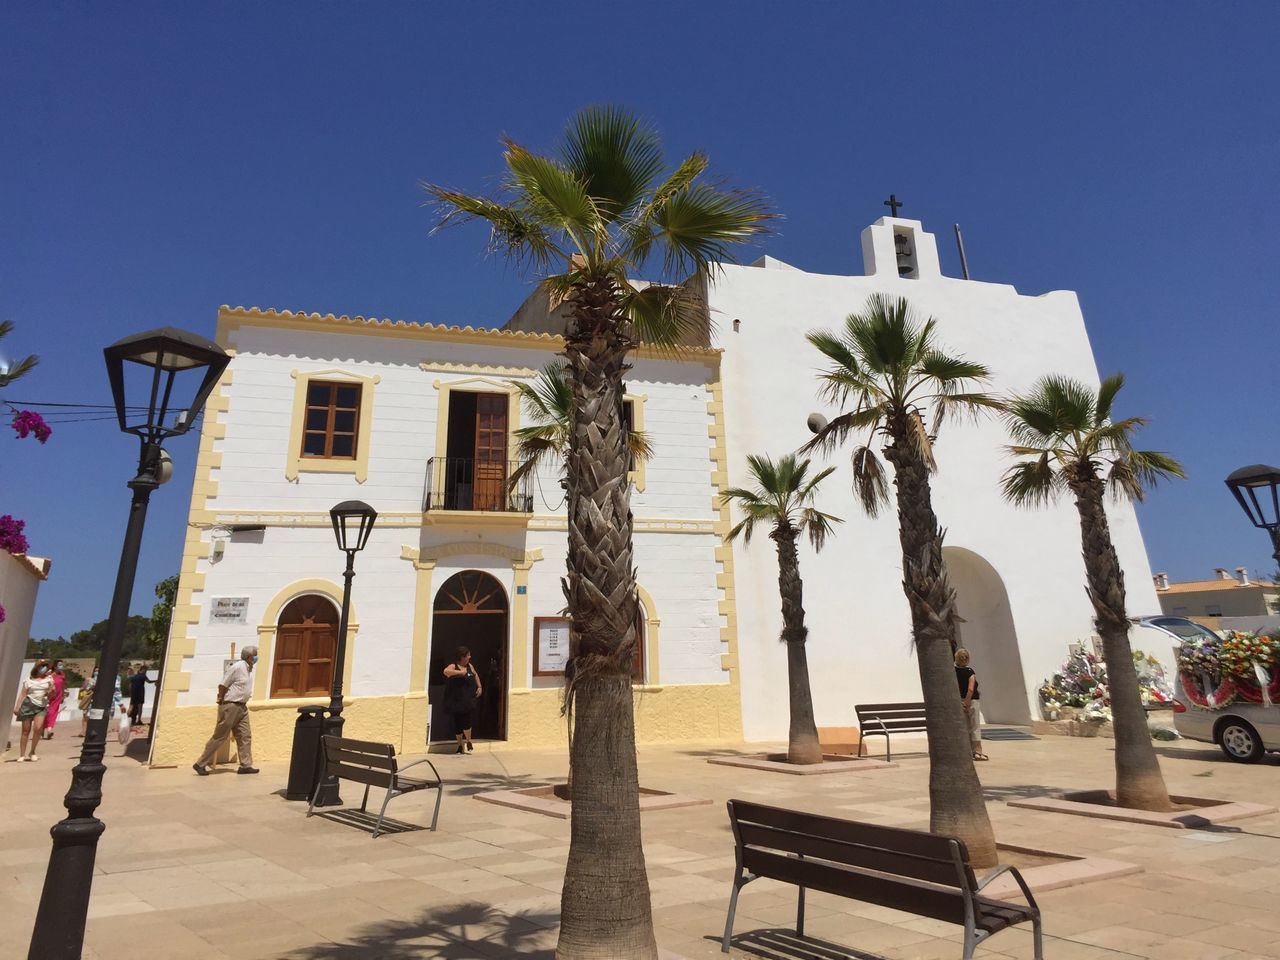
[
  {"x": 968, "y": 682},
  {"x": 33, "y": 704},
  {"x": 233, "y": 714},
  {"x": 461, "y": 691},
  {"x": 55, "y": 702}
]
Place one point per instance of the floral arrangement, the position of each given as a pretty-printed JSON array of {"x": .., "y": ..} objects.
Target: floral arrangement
[
  {"x": 1214, "y": 672},
  {"x": 11, "y": 538},
  {"x": 28, "y": 422},
  {"x": 1081, "y": 683},
  {"x": 1, "y": 613}
]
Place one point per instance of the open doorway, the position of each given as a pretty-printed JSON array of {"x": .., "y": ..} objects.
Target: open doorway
[
  {"x": 988, "y": 632},
  {"x": 470, "y": 611},
  {"x": 475, "y": 472}
]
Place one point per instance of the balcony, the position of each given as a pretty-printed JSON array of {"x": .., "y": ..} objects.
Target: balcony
[{"x": 456, "y": 484}]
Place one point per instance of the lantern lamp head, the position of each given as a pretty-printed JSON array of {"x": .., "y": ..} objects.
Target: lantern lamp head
[
  {"x": 168, "y": 374},
  {"x": 352, "y": 524},
  {"x": 1257, "y": 490}
]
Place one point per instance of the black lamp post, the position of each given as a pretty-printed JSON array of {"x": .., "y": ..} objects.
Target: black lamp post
[
  {"x": 1257, "y": 490},
  {"x": 172, "y": 372},
  {"x": 352, "y": 524}
]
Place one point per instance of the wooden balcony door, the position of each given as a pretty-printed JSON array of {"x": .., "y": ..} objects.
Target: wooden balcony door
[{"x": 491, "y": 452}]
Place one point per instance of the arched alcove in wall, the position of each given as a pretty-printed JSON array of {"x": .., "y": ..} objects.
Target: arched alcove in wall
[{"x": 989, "y": 633}]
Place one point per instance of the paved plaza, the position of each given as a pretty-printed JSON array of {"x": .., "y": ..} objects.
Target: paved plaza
[{"x": 223, "y": 867}]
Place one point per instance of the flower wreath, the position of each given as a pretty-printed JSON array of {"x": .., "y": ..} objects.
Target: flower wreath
[{"x": 1218, "y": 698}]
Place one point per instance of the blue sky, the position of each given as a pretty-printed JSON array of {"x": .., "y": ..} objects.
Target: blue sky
[{"x": 162, "y": 159}]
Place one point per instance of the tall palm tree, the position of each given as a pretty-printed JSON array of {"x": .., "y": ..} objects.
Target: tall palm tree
[
  {"x": 548, "y": 403},
  {"x": 887, "y": 365},
  {"x": 783, "y": 496},
  {"x": 1064, "y": 428},
  {"x": 586, "y": 218}
]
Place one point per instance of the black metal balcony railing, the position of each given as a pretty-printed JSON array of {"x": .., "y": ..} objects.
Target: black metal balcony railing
[{"x": 457, "y": 483}]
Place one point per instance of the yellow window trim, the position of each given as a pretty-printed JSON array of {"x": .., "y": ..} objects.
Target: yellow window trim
[
  {"x": 636, "y": 477},
  {"x": 295, "y": 463},
  {"x": 270, "y": 620}
]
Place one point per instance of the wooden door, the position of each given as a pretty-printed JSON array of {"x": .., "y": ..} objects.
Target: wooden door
[
  {"x": 491, "y": 452},
  {"x": 306, "y": 644}
]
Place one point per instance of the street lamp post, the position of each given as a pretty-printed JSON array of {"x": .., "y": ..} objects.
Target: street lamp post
[
  {"x": 1257, "y": 490},
  {"x": 157, "y": 362},
  {"x": 352, "y": 523}
]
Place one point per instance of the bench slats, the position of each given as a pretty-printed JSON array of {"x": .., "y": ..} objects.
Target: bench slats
[
  {"x": 853, "y": 854},
  {"x": 337, "y": 754},
  {"x": 871, "y": 727},
  {"x": 373, "y": 778},
  {"x": 364, "y": 746},
  {"x": 917, "y": 707},
  {"x": 926, "y": 900},
  {"x": 848, "y": 831}
]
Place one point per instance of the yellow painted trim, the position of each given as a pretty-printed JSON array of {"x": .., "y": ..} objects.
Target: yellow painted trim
[
  {"x": 295, "y": 462},
  {"x": 182, "y": 642},
  {"x": 270, "y": 620},
  {"x": 475, "y": 518},
  {"x": 493, "y": 369},
  {"x": 652, "y": 641},
  {"x": 476, "y": 385},
  {"x": 422, "y": 609},
  {"x": 520, "y": 626},
  {"x": 725, "y": 583},
  {"x": 637, "y": 476},
  {"x": 232, "y": 318}
]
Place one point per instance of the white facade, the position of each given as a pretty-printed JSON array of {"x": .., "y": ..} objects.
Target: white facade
[
  {"x": 20, "y": 579},
  {"x": 1018, "y": 573}
]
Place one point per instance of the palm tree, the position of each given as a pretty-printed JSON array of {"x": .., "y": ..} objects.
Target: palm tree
[
  {"x": 585, "y": 218},
  {"x": 9, "y": 372},
  {"x": 548, "y": 402},
  {"x": 887, "y": 365},
  {"x": 783, "y": 496},
  {"x": 1064, "y": 428}
]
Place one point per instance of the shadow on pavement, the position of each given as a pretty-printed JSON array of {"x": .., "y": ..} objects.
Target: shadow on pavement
[
  {"x": 780, "y": 944},
  {"x": 464, "y": 931},
  {"x": 364, "y": 820},
  {"x": 1020, "y": 791},
  {"x": 479, "y": 782}
]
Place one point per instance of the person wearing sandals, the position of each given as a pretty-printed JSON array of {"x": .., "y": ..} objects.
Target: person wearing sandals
[
  {"x": 968, "y": 682},
  {"x": 55, "y": 701},
  {"x": 461, "y": 691},
  {"x": 33, "y": 705}
]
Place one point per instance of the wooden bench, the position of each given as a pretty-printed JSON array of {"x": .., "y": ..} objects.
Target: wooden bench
[
  {"x": 374, "y": 765},
  {"x": 883, "y": 719},
  {"x": 906, "y": 870}
]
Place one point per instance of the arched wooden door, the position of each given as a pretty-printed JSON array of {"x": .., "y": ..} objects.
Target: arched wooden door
[
  {"x": 471, "y": 611},
  {"x": 305, "y": 647}
]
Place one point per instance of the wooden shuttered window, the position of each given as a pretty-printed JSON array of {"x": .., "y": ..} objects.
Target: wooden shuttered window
[
  {"x": 331, "y": 428},
  {"x": 305, "y": 646}
]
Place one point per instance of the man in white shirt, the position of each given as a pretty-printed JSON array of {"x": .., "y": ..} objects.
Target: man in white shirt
[{"x": 233, "y": 714}]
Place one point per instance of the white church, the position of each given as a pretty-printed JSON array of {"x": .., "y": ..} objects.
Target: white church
[{"x": 418, "y": 420}]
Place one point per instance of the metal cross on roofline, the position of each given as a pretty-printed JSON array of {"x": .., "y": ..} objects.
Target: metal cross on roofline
[{"x": 893, "y": 203}]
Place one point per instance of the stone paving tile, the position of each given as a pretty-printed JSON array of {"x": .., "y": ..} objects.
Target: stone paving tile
[{"x": 214, "y": 868}]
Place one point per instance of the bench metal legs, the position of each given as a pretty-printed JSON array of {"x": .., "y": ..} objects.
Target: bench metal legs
[
  {"x": 377, "y": 827},
  {"x": 740, "y": 881},
  {"x": 435, "y": 814}
]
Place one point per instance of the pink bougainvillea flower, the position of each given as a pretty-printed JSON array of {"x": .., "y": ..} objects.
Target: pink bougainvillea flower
[
  {"x": 11, "y": 538},
  {"x": 1, "y": 613},
  {"x": 27, "y": 422}
]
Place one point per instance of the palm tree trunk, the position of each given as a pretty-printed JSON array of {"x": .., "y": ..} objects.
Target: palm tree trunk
[
  {"x": 802, "y": 740},
  {"x": 1139, "y": 782},
  {"x": 604, "y": 907},
  {"x": 956, "y": 804}
]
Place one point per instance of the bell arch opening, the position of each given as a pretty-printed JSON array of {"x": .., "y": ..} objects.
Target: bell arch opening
[{"x": 990, "y": 635}]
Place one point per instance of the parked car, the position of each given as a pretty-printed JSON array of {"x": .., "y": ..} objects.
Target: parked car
[{"x": 1244, "y": 731}]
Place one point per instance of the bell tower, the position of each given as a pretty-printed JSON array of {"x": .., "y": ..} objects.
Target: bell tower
[{"x": 895, "y": 246}]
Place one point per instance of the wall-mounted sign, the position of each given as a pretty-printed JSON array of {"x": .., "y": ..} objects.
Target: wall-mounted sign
[
  {"x": 228, "y": 610},
  {"x": 550, "y": 645}
]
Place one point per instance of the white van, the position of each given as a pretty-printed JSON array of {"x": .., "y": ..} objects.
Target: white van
[{"x": 1244, "y": 731}]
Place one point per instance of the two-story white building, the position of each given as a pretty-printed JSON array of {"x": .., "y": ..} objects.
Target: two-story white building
[{"x": 418, "y": 420}]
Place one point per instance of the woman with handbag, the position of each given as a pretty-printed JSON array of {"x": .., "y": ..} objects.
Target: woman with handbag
[{"x": 33, "y": 703}]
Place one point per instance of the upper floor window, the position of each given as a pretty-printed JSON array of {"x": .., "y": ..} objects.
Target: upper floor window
[{"x": 331, "y": 428}]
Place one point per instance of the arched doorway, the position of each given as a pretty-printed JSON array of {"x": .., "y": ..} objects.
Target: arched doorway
[
  {"x": 305, "y": 646},
  {"x": 989, "y": 633},
  {"x": 470, "y": 610}
]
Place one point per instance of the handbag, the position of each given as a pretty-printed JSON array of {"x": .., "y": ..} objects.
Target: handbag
[{"x": 122, "y": 734}]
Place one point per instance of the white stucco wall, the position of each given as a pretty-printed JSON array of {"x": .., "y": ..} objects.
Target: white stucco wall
[
  {"x": 19, "y": 584},
  {"x": 860, "y": 644},
  {"x": 677, "y": 569}
]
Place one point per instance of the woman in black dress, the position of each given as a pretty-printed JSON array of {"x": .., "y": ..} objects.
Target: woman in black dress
[{"x": 461, "y": 691}]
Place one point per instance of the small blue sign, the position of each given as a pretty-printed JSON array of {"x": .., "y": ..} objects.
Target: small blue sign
[{"x": 522, "y": 590}]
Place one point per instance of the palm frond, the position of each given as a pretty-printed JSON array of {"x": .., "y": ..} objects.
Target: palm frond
[
  {"x": 614, "y": 155},
  {"x": 838, "y": 429},
  {"x": 918, "y": 437},
  {"x": 938, "y": 366},
  {"x": 513, "y": 232},
  {"x": 870, "y": 485},
  {"x": 555, "y": 197},
  {"x": 663, "y": 315},
  {"x": 1106, "y": 397},
  {"x": 1032, "y": 483},
  {"x": 1137, "y": 471},
  {"x": 641, "y": 231},
  {"x": 699, "y": 225},
  {"x": 818, "y": 525}
]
